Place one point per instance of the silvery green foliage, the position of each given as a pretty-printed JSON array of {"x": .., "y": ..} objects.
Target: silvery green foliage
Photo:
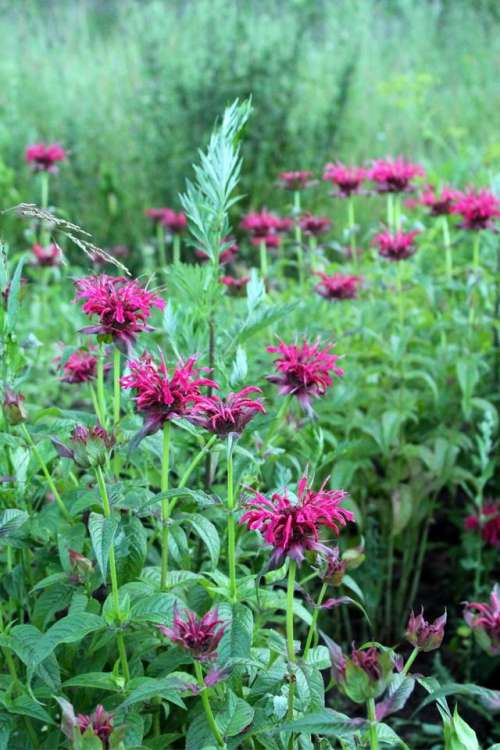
[{"x": 208, "y": 199}]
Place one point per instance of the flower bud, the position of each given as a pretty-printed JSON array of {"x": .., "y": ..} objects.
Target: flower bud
[
  {"x": 91, "y": 447},
  {"x": 81, "y": 564},
  {"x": 367, "y": 673},
  {"x": 425, "y": 635},
  {"x": 14, "y": 410}
]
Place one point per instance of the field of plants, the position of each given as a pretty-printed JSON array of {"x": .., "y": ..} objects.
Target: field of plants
[{"x": 249, "y": 384}]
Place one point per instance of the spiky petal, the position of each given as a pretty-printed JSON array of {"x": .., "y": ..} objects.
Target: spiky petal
[
  {"x": 198, "y": 635},
  {"x": 427, "y": 636},
  {"x": 227, "y": 416}
]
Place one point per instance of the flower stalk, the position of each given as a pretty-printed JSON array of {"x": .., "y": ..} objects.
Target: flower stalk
[
  {"x": 206, "y": 705},
  {"x": 351, "y": 224},
  {"x": 165, "y": 507},
  {"x": 113, "y": 574},
  {"x": 447, "y": 247},
  {"x": 410, "y": 660},
  {"x": 314, "y": 621},
  {"x": 231, "y": 531},
  {"x": 263, "y": 259},
  {"x": 372, "y": 729},
  {"x": 116, "y": 386},
  {"x": 46, "y": 473},
  {"x": 176, "y": 248},
  {"x": 298, "y": 236},
  {"x": 101, "y": 400}
]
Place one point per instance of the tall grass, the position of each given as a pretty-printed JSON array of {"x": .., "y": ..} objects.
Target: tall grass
[{"x": 132, "y": 87}]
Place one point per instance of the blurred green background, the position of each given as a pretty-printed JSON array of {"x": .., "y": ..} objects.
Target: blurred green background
[{"x": 132, "y": 88}]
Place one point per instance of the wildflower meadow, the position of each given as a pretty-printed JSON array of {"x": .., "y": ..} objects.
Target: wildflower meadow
[{"x": 248, "y": 460}]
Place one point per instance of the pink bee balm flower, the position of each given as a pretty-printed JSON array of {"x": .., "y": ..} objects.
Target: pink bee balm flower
[
  {"x": 260, "y": 223},
  {"x": 439, "y": 204},
  {"x": 233, "y": 283},
  {"x": 284, "y": 225},
  {"x": 397, "y": 246},
  {"x": 50, "y": 255},
  {"x": 488, "y": 523},
  {"x": 368, "y": 660},
  {"x": 123, "y": 307},
  {"x": 425, "y": 635},
  {"x": 81, "y": 366},
  {"x": 478, "y": 210},
  {"x": 269, "y": 240},
  {"x": 394, "y": 176},
  {"x": 292, "y": 528},
  {"x": 484, "y": 619},
  {"x": 175, "y": 222},
  {"x": 347, "y": 179},
  {"x": 100, "y": 722},
  {"x": 304, "y": 371},
  {"x": 339, "y": 286},
  {"x": 295, "y": 180},
  {"x": 44, "y": 158},
  {"x": 227, "y": 416},
  {"x": 88, "y": 447},
  {"x": 161, "y": 396},
  {"x": 313, "y": 226},
  {"x": 199, "y": 636}
]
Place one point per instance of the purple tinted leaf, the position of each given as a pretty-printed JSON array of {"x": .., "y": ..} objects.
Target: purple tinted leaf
[{"x": 398, "y": 692}]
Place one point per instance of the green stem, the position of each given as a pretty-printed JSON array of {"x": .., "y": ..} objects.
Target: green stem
[
  {"x": 113, "y": 574},
  {"x": 292, "y": 569},
  {"x": 192, "y": 466},
  {"x": 447, "y": 247},
  {"x": 46, "y": 473},
  {"x": 314, "y": 621},
  {"x": 231, "y": 532},
  {"x": 116, "y": 386},
  {"x": 44, "y": 190},
  {"x": 101, "y": 400},
  {"x": 95, "y": 404},
  {"x": 372, "y": 730},
  {"x": 351, "y": 223},
  {"x": 475, "y": 251},
  {"x": 176, "y": 248},
  {"x": 298, "y": 236},
  {"x": 204, "y": 694},
  {"x": 165, "y": 512},
  {"x": 263, "y": 259},
  {"x": 397, "y": 213},
  {"x": 410, "y": 660},
  {"x": 390, "y": 212},
  {"x": 399, "y": 272}
]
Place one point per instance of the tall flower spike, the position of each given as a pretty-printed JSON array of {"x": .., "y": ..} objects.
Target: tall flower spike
[
  {"x": 161, "y": 396},
  {"x": 397, "y": 246},
  {"x": 347, "y": 179},
  {"x": 44, "y": 158},
  {"x": 484, "y": 619},
  {"x": 394, "y": 176},
  {"x": 81, "y": 366},
  {"x": 478, "y": 210},
  {"x": 227, "y": 416},
  {"x": 439, "y": 203},
  {"x": 427, "y": 636},
  {"x": 199, "y": 636},
  {"x": 123, "y": 307},
  {"x": 304, "y": 371},
  {"x": 292, "y": 528},
  {"x": 339, "y": 286}
]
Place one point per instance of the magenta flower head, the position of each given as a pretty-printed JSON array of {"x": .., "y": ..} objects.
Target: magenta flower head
[
  {"x": 49, "y": 255},
  {"x": 394, "y": 176},
  {"x": 365, "y": 674},
  {"x": 292, "y": 528},
  {"x": 424, "y": 635},
  {"x": 397, "y": 246},
  {"x": 227, "y": 416},
  {"x": 271, "y": 240},
  {"x": 260, "y": 223},
  {"x": 198, "y": 635},
  {"x": 234, "y": 283},
  {"x": 478, "y": 210},
  {"x": 88, "y": 447},
  {"x": 484, "y": 619},
  {"x": 176, "y": 223},
  {"x": 162, "y": 396},
  {"x": 439, "y": 203},
  {"x": 123, "y": 307},
  {"x": 335, "y": 567},
  {"x": 314, "y": 226},
  {"x": 488, "y": 523},
  {"x": 295, "y": 180},
  {"x": 44, "y": 158},
  {"x": 339, "y": 286},
  {"x": 347, "y": 179},
  {"x": 304, "y": 371},
  {"x": 81, "y": 366},
  {"x": 100, "y": 722},
  {"x": 13, "y": 408}
]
